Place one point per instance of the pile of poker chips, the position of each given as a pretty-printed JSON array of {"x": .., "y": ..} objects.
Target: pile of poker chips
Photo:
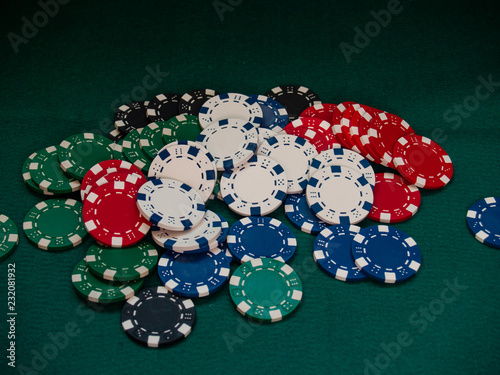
[{"x": 253, "y": 152}]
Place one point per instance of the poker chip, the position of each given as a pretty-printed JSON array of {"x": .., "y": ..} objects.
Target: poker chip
[
  {"x": 315, "y": 130},
  {"x": 339, "y": 195},
  {"x": 81, "y": 152},
  {"x": 358, "y": 129},
  {"x": 394, "y": 199},
  {"x": 133, "y": 152},
  {"x": 345, "y": 123},
  {"x": 257, "y": 187},
  {"x": 155, "y": 317},
  {"x": 28, "y": 180},
  {"x": 386, "y": 254},
  {"x": 131, "y": 263},
  {"x": 45, "y": 171},
  {"x": 346, "y": 158},
  {"x": 332, "y": 252},
  {"x": 192, "y": 240},
  {"x": 160, "y": 236},
  {"x": 115, "y": 135},
  {"x": 274, "y": 115},
  {"x": 132, "y": 178},
  {"x": 103, "y": 168},
  {"x": 55, "y": 224},
  {"x": 97, "y": 290},
  {"x": 111, "y": 216},
  {"x": 118, "y": 151},
  {"x": 131, "y": 116},
  {"x": 385, "y": 130},
  {"x": 294, "y": 98},
  {"x": 151, "y": 138},
  {"x": 191, "y": 102},
  {"x": 422, "y": 162},
  {"x": 231, "y": 142},
  {"x": 194, "y": 275},
  {"x": 265, "y": 289},
  {"x": 181, "y": 128},
  {"x": 264, "y": 134},
  {"x": 187, "y": 162},
  {"x": 299, "y": 213},
  {"x": 229, "y": 106},
  {"x": 294, "y": 154},
  {"x": 163, "y": 107},
  {"x": 336, "y": 122},
  {"x": 323, "y": 111},
  {"x": 483, "y": 220},
  {"x": 9, "y": 237},
  {"x": 170, "y": 204},
  {"x": 261, "y": 237}
]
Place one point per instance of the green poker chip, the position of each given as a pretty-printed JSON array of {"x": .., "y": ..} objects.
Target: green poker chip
[
  {"x": 265, "y": 289},
  {"x": 80, "y": 152},
  {"x": 133, "y": 152},
  {"x": 131, "y": 263},
  {"x": 55, "y": 224},
  {"x": 27, "y": 176},
  {"x": 46, "y": 172},
  {"x": 97, "y": 290},
  {"x": 181, "y": 128},
  {"x": 152, "y": 138},
  {"x": 9, "y": 237},
  {"x": 118, "y": 151}
]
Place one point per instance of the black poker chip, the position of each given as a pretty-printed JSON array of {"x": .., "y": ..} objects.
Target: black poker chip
[
  {"x": 294, "y": 98},
  {"x": 163, "y": 107},
  {"x": 131, "y": 116},
  {"x": 155, "y": 317},
  {"x": 191, "y": 102}
]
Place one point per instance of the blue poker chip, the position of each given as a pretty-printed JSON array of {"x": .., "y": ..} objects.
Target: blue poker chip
[
  {"x": 261, "y": 237},
  {"x": 194, "y": 275},
  {"x": 332, "y": 252},
  {"x": 275, "y": 116},
  {"x": 300, "y": 214},
  {"x": 386, "y": 254},
  {"x": 483, "y": 220}
]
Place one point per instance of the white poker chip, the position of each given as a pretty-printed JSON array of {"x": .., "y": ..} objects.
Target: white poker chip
[
  {"x": 231, "y": 142},
  {"x": 345, "y": 157},
  {"x": 188, "y": 162},
  {"x": 170, "y": 204},
  {"x": 231, "y": 105},
  {"x": 193, "y": 240},
  {"x": 294, "y": 154},
  {"x": 256, "y": 188},
  {"x": 339, "y": 195}
]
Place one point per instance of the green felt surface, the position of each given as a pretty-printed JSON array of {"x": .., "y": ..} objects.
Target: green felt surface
[{"x": 93, "y": 56}]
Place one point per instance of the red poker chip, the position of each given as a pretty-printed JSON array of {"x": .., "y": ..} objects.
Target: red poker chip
[
  {"x": 363, "y": 128},
  {"x": 316, "y": 124},
  {"x": 385, "y": 130},
  {"x": 321, "y": 141},
  {"x": 133, "y": 178},
  {"x": 104, "y": 168},
  {"x": 323, "y": 111},
  {"x": 422, "y": 161},
  {"x": 111, "y": 216},
  {"x": 345, "y": 124},
  {"x": 394, "y": 199},
  {"x": 336, "y": 119},
  {"x": 362, "y": 114}
]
